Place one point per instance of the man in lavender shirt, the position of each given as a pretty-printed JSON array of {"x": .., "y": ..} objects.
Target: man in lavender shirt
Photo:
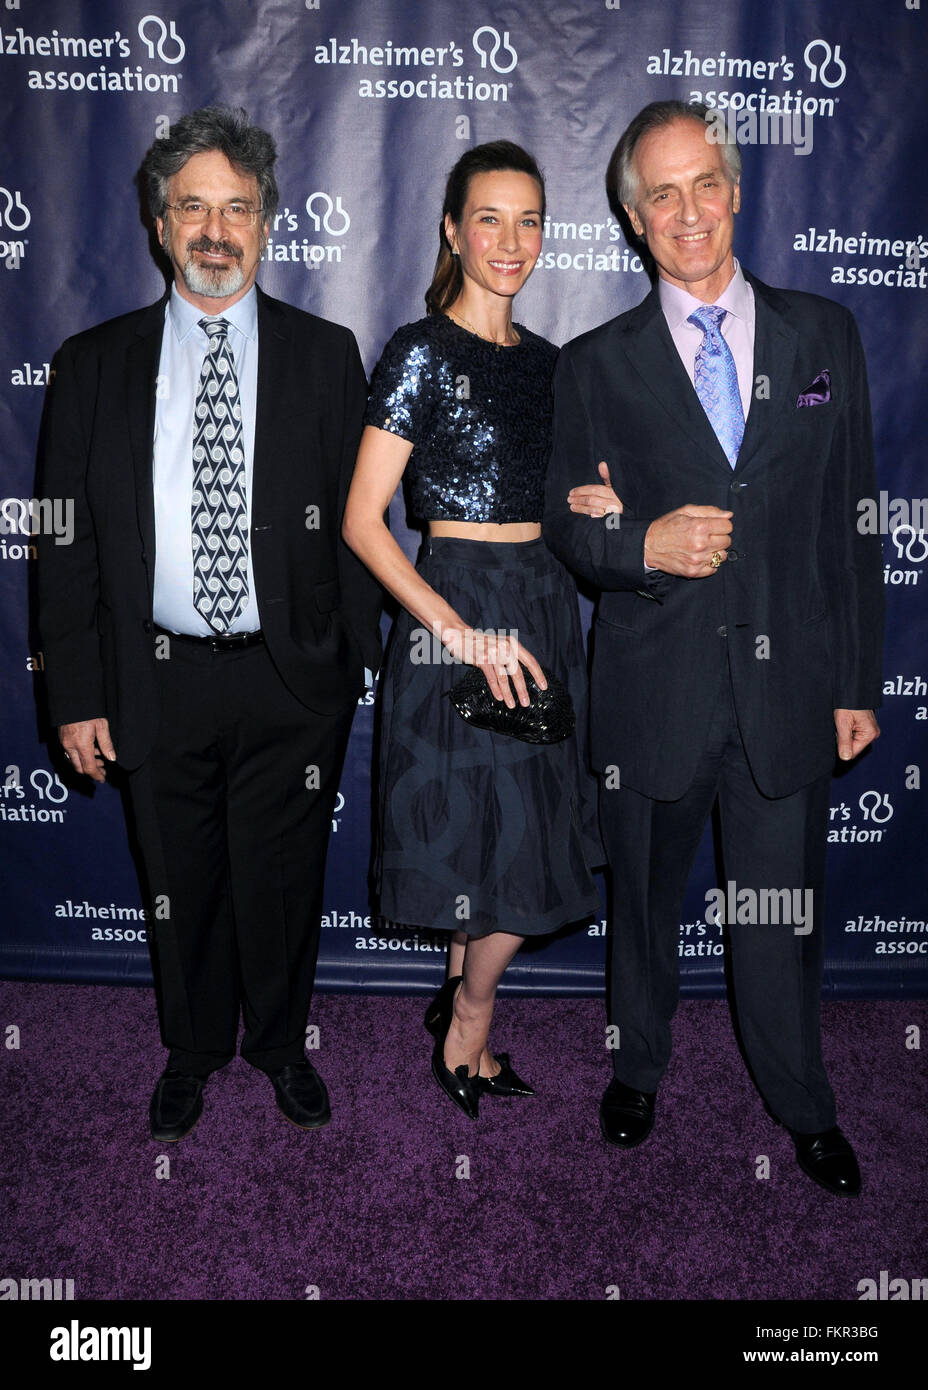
[{"x": 738, "y": 635}]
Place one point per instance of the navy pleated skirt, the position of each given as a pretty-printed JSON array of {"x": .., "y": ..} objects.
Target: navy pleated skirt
[{"x": 479, "y": 832}]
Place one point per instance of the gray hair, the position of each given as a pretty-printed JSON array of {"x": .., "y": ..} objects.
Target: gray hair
[
  {"x": 622, "y": 177},
  {"x": 225, "y": 128}
]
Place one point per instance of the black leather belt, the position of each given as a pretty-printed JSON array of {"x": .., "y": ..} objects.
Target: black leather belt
[{"x": 232, "y": 642}]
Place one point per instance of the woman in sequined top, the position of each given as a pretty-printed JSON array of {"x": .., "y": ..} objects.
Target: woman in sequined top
[{"x": 484, "y": 836}]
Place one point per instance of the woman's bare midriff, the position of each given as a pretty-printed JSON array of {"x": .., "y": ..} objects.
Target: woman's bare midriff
[{"x": 487, "y": 530}]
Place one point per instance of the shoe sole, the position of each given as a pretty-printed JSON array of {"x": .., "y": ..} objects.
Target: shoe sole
[
  {"x": 316, "y": 1124},
  {"x": 175, "y": 1139},
  {"x": 505, "y": 1095}
]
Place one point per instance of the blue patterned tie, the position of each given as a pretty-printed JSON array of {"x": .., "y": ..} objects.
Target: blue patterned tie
[
  {"x": 716, "y": 381},
  {"x": 219, "y": 512}
]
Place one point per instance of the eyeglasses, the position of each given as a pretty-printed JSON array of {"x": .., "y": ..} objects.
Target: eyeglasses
[{"x": 236, "y": 214}]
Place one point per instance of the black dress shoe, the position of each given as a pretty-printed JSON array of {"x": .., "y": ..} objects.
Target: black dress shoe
[
  {"x": 506, "y": 1082},
  {"x": 626, "y": 1116},
  {"x": 829, "y": 1160},
  {"x": 441, "y": 1004},
  {"x": 301, "y": 1095},
  {"x": 176, "y": 1105}
]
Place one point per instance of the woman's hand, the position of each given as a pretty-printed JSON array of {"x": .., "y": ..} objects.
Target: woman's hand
[
  {"x": 500, "y": 657},
  {"x": 594, "y": 499}
]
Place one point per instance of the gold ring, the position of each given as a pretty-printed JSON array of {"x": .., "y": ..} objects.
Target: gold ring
[{"x": 715, "y": 559}]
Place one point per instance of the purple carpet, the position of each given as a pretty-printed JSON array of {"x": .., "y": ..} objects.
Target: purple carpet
[{"x": 372, "y": 1206}]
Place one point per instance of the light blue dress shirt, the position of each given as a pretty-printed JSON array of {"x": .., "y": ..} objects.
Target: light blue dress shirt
[{"x": 183, "y": 348}]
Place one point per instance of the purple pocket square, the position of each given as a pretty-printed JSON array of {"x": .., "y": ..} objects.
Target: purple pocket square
[{"x": 819, "y": 392}]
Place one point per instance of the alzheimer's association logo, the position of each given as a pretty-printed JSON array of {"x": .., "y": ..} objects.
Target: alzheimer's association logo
[
  {"x": 490, "y": 44},
  {"x": 328, "y": 222},
  {"x": 326, "y": 214},
  {"x": 14, "y": 217},
  {"x": 162, "y": 40},
  {"x": 825, "y": 63}
]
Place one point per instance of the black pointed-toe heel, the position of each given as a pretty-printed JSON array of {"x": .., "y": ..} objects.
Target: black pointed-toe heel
[
  {"x": 441, "y": 1005},
  {"x": 463, "y": 1089},
  {"x": 506, "y": 1082}
]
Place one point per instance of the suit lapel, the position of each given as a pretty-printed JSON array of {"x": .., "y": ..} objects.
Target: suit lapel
[
  {"x": 775, "y": 346},
  {"x": 650, "y": 351},
  {"x": 142, "y": 361},
  {"x": 274, "y": 362}
]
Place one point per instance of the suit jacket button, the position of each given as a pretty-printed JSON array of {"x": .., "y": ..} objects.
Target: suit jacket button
[
  {"x": 722, "y": 631},
  {"x": 731, "y": 555},
  {"x": 146, "y": 625}
]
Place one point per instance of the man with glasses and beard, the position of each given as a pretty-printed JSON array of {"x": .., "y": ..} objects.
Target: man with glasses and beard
[{"x": 208, "y": 630}]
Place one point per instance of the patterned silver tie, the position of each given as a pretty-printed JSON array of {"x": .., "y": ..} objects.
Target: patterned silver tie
[
  {"x": 219, "y": 512},
  {"x": 716, "y": 381}
]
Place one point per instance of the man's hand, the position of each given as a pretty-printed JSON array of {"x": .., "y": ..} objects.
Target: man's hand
[
  {"x": 595, "y": 499},
  {"x": 80, "y": 743},
  {"x": 683, "y": 542},
  {"x": 856, "y": 728}
]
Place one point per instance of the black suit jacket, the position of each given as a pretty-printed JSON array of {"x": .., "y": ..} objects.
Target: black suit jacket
[
  {"x": 319, "y": 605},
  {"x": 797, "y": 608}
]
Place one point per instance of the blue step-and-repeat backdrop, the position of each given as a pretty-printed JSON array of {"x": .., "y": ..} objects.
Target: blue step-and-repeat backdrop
[{"x": 371, "y": 102}]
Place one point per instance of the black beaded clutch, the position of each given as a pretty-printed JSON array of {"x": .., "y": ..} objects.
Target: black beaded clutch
[{"x": 548, "y": 718}]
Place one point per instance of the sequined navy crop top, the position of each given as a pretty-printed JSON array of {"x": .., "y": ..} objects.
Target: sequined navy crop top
[{"x": 479, "y": 419}]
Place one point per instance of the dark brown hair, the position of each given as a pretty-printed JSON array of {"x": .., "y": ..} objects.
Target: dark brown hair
[{"x": 492, "y": 158}]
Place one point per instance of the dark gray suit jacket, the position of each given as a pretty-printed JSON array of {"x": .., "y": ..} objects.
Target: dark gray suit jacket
[{"x": 797, "y": 608}]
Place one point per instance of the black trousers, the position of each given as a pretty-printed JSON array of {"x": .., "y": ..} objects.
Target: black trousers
[
  {"x": 233, "y": 809},
  {"x": 767, "y": 844}
]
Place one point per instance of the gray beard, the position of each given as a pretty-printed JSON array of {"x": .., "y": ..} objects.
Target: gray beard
[{"x": 212, "y": 282}]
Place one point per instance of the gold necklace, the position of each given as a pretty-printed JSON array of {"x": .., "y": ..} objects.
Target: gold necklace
[{"x": 462, "y": 320}]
